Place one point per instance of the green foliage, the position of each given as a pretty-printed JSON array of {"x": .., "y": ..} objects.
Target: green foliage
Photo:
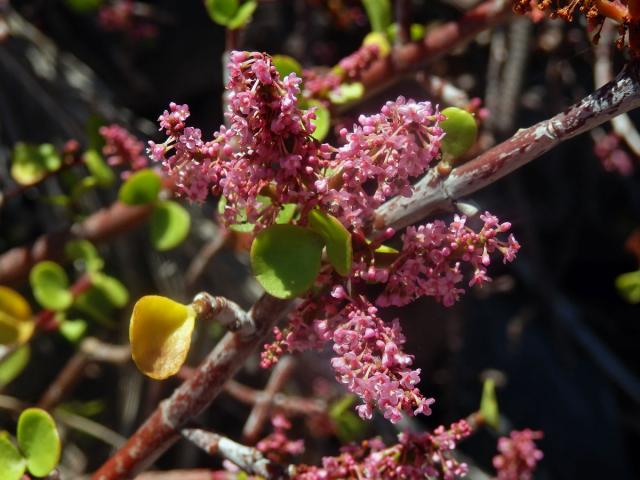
[
  {"x": 39, "y": 441},
  {"x": 73, "y": 330},
  {"x": 346, "y": 92},
  {"x": 286, "y": 259},
  {"x": 12, "y": 464},
  {"x": 112, "y": 289},
  {"x": 380, "y": 39},
  {"x": 85, "y": 253},
  {"x": 31, "y": 163},
  {"x": 349, "y": 426},
  {"x": 336, "y": 238},
  {"x": 322, "y": 121},
  {"x": 50, "y": 284},
  {"x": 416, "y": 32},
  {"x": 140, "y": 188},
  {"x": 379, "y": 13},
  {"x": 229, "y": 13},
  {"x": 628, "y": 285},
  {"x": 98, "y": 168},
  {"x": 12, "y": 366},
  {"x": 461, "y": 130},
  {"x": 285, "y": 65},
  {"x": 489, "y": 404},
  {"x": 83, "y": 6},
  {"x": 170, "y": 224}
]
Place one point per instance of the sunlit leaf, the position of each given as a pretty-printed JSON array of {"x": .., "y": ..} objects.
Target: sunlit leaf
[
  {"x": 460, "y": 128},
  {"x": 489, "y": 404},
  {"x": 160, "y": 335},
  {"x": 140, "y": 188},
  {"x": 286, "y": 259},
  {"x": 98, "y": 168},
  {"x": 379, "y": 13},
  {"x": 221, "y": 11},
  {"x": 84, "y": 251},
  {"x": 380, "y": 40},
  {"x": 170, "y": 224},
  {"x": 322, "y": 121},
  {"x": 337, "y": 239},
  {"x": 14, "y": 304},
  {"x": 73, "y": 329},
  {"x": 286, "y": 65},
  {"x": 50, "y": 284},
  {"x": 39, "y": 441},
  {"x": 12, "y": 464},
  {"x": 287, "y": 212},
  {"x": 628, "y": 285},
  {"x": 31, "y": 163},
  {"x": 243, "y": 15},
  {"x": 13, "y": 365},
  {"x": 347, "y": 92}
]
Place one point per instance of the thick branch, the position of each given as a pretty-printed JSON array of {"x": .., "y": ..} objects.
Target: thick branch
[
  {"x": 435, "y": 192},
  {"x": 228, "y": 313},
  {"x": 162, "y": 428}
]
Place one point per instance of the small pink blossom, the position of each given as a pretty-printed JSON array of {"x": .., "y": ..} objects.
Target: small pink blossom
[{"x": 518, "y": 455}]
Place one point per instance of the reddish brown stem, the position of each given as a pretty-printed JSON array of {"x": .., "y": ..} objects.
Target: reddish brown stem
[
  {"x": 437, "y": 42},
  {"x": 103, "y": 225},
  {"x": 260, "y": 412}
]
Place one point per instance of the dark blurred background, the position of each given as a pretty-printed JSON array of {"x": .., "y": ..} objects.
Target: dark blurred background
[{"x": 551, "y": 328}]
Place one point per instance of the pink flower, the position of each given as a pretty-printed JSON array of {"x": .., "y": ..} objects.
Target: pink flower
[
  {"x": 518, "y": 455},
  {"x": 121, "y": 148}
]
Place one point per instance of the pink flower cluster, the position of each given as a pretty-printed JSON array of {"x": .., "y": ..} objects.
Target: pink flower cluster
[
  {"x": 123, "y": 149},
  {"x": 125, "y": 16},
  {"x": 433, "y": 255},
  {"x": 267, "y": 149},
  {"x": 277, "y": 446},
  {"x": 414, "y": 457},
  {"x": 381, "y": 155},
  {"x": 372, "y": 365},
  {"x": 518, "y": 455}
]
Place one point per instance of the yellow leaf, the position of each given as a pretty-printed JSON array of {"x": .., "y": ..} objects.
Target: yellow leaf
[
  {"x": 160, "y": 335},
  {"x": 14, "y": 304},
  {"x": 16, "y": 322}
]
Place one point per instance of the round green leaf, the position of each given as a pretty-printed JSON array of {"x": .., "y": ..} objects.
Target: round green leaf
[
  {"x": 98, "y": 168},
  {"x": 30, "y": 163},
  {"x": 628, "y": 285},
  {"x": 13, "y": 365},
  {"x": 12, "y": 465},
  {"x": 322, "y": 121},
  {"x": 346, "y": 92},
  {"x": 286, "y": 259},
  {"x": 460, "y": 128},
  {"x": 113, "y": 290},
  {"x": 39, "y": 441},
  {"x": 50, "y": 284},
  {"x": 221, "y": 11},
  {"x": 84, "y": 251},
  {"x": 337, "y": 239},
  {"x": 286, "y": 65},
  {"x": 140, "y": 188},
  {"x": 170, "y": 224},
  {"x": 73, "y": 330},
  {"x": 243, "y": 15}
]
